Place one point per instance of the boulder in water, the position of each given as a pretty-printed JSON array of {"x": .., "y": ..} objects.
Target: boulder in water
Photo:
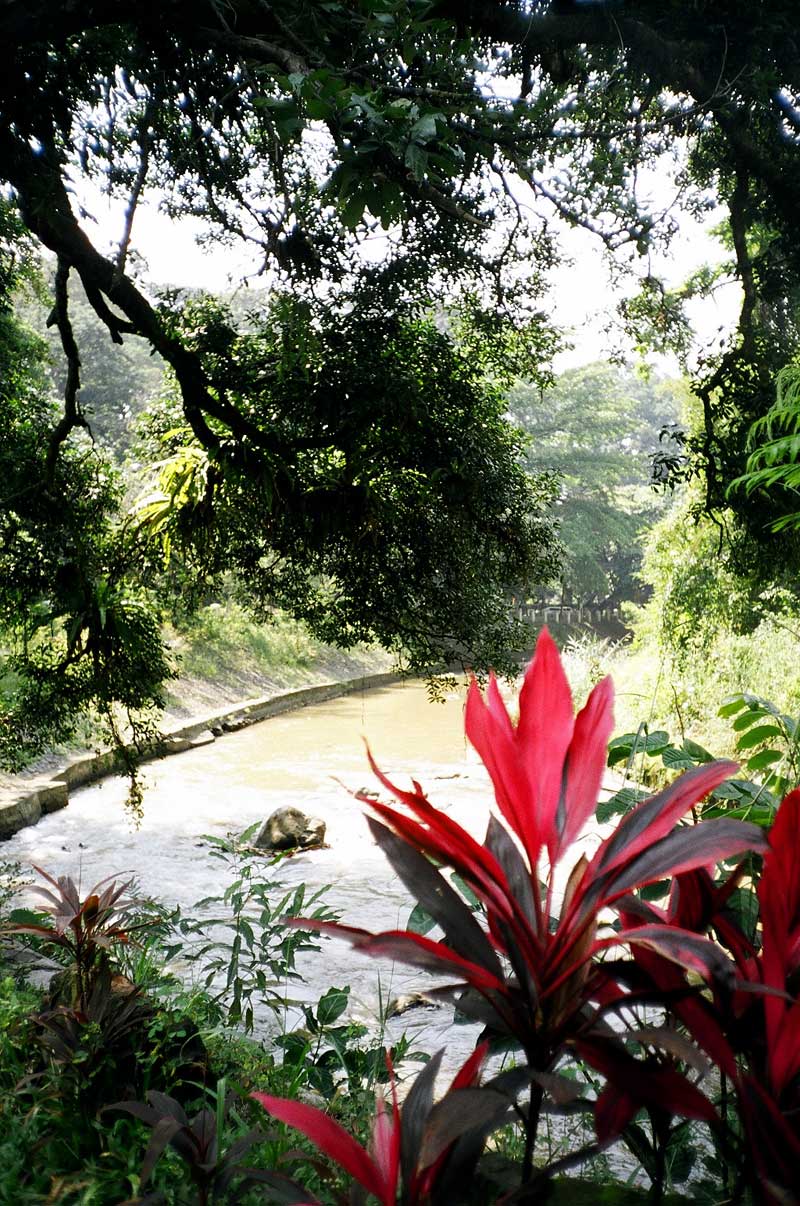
[{"x": 288, "y": 829}]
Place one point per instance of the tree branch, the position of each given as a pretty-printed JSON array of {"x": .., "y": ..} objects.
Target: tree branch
[
  {"x": 72, "y": 416},
  {"x": 46, "y": 209},
  {"x": 145, "y": 143}
]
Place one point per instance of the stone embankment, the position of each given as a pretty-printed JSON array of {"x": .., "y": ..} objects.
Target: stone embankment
[{"x": 24, "y": 801}]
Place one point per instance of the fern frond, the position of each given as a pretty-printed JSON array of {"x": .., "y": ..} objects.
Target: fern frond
[
  {"x": 774, "y": 446},
  {"x": 784, "y": 414}
]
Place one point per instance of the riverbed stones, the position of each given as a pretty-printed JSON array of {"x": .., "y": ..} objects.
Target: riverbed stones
[{"x": 288, "y": 829}]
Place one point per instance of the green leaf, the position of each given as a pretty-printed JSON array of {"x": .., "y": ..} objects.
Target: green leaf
[
  {"x": 420, "y": 921},
  {"x": 732, "y": 706},
  {"x": 466, "y": 891},
  {"x": 353, "y": 210},
  {"x": 763, "y": 759},
  {"x": 317, "y": 109},
  {"x": 424, "y": 129},
  {"x": 655, "y": 891},
  {"x": 743, "y": 903},
  {"x": 621, "y": 802},
  {"x": 697, "y": 751},
  {"x": 332, "y": 1005},
  {"x": 677, "y": 759},
  {"x": 621, "y": 748},
  {"x": 416, "y": 160},
  {"x": 681, "y": 1156},
  {"x": 749, "y": 718},
  {"x": 764, "y": 732},
  {"x": 25, "y": 917}
]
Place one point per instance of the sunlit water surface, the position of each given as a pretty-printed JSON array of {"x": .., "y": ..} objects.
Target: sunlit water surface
[{"x": 310, "y": 759}]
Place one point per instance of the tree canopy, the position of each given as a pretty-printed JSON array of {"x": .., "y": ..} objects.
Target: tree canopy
[
  {"x": 597, "y": 428},
  {"x": 450, "y": 130}
]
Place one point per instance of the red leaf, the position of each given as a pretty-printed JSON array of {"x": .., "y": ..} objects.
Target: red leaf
[
  {"x": 688, "y": 847},
  {"x": 774, "y": 1143},
  {"x": 693, "y": 1010},
  {"x": 469, "y": 1073},
  {"x": 688, "y": 950},
  {"x": 585, "y": 765},
  {"x": 385, "y": 1143},
  {"x": 544, "y": 733},
  {"x": 406, "y": 947},
  {"x": 655, "y": 818},
  {"x": 331, "y": 1139},
  {"x": 526, "y": 764},
  {"x": 613, "y": 1110},
  {"x": 779, "y": 898},
  {"x": 450, "y": 844},
  {"x": 647, "y": 1083},
  {"x": 443, "y": 837}
]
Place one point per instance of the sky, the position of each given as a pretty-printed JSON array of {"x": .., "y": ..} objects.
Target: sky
[{"x": 582, "y": 300}]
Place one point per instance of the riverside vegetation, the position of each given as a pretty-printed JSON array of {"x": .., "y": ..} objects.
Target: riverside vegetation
[
  {"x": 645, "y": 996},
  {"x": 348, "y": 449}
]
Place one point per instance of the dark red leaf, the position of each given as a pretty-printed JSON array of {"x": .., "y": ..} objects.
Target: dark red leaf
[
  {"x": 414, "y": 1115},
  {"x": 460, "y": 1111},
  {"x": 691, "y": 951},
  {"x": 405, "y": 947},
  {"x": 655, "y": 818},
  {"x": 331, "y": 1139},
  {"x": 645, "y": 1082},
  {"x": 431, "y": 890},
  {"x": 686, "y": 848}
]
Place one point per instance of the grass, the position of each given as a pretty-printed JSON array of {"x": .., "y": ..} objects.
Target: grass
[
  {"x": 224, "y": 656},
  {"x": 683, "y": 693},
  {"x": 223, "y": 638}
]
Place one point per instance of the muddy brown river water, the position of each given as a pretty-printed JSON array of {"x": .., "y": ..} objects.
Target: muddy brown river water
[{"x": 303, "y": 759}]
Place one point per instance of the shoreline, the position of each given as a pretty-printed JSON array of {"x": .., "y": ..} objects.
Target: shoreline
[{"x": 26, "y": 802}]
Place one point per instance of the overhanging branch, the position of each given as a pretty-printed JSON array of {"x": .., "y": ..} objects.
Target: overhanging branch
[{"x": 72, "y": 417}]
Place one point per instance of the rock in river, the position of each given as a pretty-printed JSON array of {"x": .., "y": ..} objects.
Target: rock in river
[{"x": 288, "y": 828}]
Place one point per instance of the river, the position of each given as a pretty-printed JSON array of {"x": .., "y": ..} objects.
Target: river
[{"x": 306, "y": 759}]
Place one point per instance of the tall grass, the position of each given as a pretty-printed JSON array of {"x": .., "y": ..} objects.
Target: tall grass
[
  {"x": 223, "y": 639},
  {"x": 682, "y": 693}
]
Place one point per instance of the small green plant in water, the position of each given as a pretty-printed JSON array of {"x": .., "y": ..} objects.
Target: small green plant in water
[{"x": 245, "y": 951}]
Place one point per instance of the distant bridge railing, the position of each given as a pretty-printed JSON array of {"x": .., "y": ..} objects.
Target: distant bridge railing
[{"x": 566, "y": 613}]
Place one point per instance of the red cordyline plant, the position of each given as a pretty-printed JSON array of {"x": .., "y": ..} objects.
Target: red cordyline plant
[
  {"x": 770, "y": 1090},
  {"x": 534, "y": 973},
  {"x": 420, "y": 1154},
  {"x": 750, "y": 1030},
  {"x": 86, "y": 928}
]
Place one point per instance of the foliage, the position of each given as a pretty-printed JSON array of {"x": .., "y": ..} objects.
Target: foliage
[
  {"x": 116, "y": 382},
  {"x": 596, "y": 427},
  {"x": 218, "y": 1176},
  {"x": 532, "y": 975},
  {"x": 432, "y": 1149},
  {"x": 303, "y": 128},
  {"x": 764, "y": 738},
  {"x": 85, "y": 930},
  {"x": 242, "y": 944},
  {"x": 223, "y": 641},
  {"x": 773, "y": 442},
  {"x": 76, "y": 629},
  {"x": 405, "y": 518},
  {"x": 651, "y": 988}
]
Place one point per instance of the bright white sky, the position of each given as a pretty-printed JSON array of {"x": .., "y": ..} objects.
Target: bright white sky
[{"x": 582, "y": 298}]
